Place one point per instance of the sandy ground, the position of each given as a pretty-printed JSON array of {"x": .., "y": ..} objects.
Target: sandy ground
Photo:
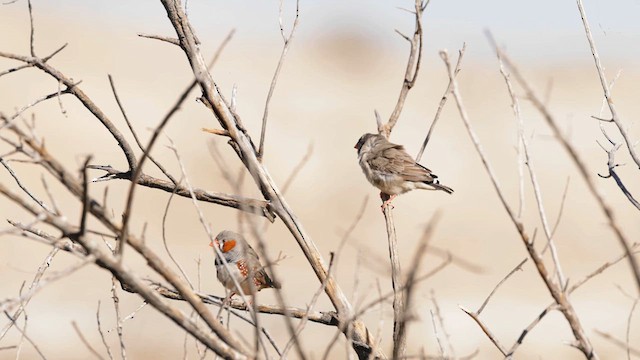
[{"x": 331, "y": 83}]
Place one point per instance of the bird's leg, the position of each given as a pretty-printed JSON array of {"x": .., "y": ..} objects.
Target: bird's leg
[
  {"x": 227, "y": 300},
  {"x": 387, "y": 199}
]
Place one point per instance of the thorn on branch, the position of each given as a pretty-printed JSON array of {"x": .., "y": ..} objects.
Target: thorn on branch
[
  {"x": 220, "y": 132},
  {"x": 167, "y": 39},
  {"x": 403, "y": 35},
  {"x": 601, "y": 119}
]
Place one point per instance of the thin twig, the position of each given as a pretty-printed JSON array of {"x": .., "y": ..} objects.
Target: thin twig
[
  {"x": 170, "y": 40},
  {"x": 486, "y": 330},
  {"x": 164, "y": 240},
  {"x": 620, "y": 343},
  {"x": 33, "y": 197},
  {"x": 413, "y": 67},
  {"x": 84, "y": 341},
  {"x": 23, "y": 333},
  {"x": 134, "y": 133},
  {"x": 116, "y": 306},
  {"x": 32, "y": 30},
  {"x": 443, "y": 101},
  {"x": 296, "y": 170},
  {"x": 274, "y": 80},
  {"x": 486, "y": 301},
  {"x": 628, "y": 333},
  {"x": 611, "y": 165},
  {"x": 104, "y": 340},
  {"x": 523, "y": 150}
]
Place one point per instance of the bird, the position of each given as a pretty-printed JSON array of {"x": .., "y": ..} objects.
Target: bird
[
  {"x": 242, "y": 264},
  {"x": 391, "y": 169}
]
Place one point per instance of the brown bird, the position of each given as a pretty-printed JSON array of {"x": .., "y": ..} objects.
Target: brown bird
[
  {"x": 243, "y": 265},
  {"x": 389, "y": 168}
]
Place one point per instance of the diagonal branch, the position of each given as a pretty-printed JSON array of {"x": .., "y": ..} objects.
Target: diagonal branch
[
  {"x": 605, "y": 87},
  {"x": 242, "y": 144},
  {"x": 83, "y": 98},
  {"x": 583, "y": 343},
  {"x": 579, "y": 162}
]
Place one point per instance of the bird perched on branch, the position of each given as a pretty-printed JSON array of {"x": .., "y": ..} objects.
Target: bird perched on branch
[
  {"x": 243, "y": 265},
  {"x": 389, "y": 168}
]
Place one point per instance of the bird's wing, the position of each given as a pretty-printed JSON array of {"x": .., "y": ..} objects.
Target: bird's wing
[
  {"x": 250, "y": 253},
  {"x": 260, "y": 275},
  {"x": 393, "y": 159}
]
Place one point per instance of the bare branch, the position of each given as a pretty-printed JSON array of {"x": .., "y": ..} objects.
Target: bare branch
[
  {"x": 619, "y": 343},
  {"x": 486, "y": 330},
  {"x": 84, "y": 341},
  {"x": 611, "y": 165},
  {"x": 443, "y": 101},
  {"x": 579, "y": 162},
  {"x": 32, "y": 30},
  {"x": 169, "y": 40},
  {"x": 399, "y": 343},
  {"x": 486, "y": 301},
  {"x": 555, "y": 290},
  {"x": 296, "y": 170},
  {"x": 33, "y": 197},
  {"x": 605, "y": 87},
  {"x": 413, "y": 67},
  {"x": 274, "y": 80},
  {"x": 399, "y": 340},
  {"x": 133, "y": 132},
  {"x": 254, "y": 206},
  {"x": 104, "y": 340},
  {"x": 524, "y": 150},
  {"x": 23, "y": 333}
]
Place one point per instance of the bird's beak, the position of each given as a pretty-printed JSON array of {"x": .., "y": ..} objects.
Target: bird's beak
[{"x": 215, "y": 243}]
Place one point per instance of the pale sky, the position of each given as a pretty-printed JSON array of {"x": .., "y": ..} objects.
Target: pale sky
[{"x": 543, "y": 30}]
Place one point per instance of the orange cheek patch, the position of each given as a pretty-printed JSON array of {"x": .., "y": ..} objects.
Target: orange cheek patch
[{"x": 228, "y": 245}]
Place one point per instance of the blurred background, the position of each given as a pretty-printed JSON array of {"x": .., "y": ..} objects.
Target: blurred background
[{"x": 344, "y": 62}]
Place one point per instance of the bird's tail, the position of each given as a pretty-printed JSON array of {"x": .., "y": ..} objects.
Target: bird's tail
[
  {"x": 436, "y": 184},
  {"x": 272, "y": 283},
  {"x": 443, "y": 188}
]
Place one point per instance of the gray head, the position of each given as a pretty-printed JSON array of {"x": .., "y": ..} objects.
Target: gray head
[
  {"x": 364, "y": 139},
  {"x": 231, "y": 245}
]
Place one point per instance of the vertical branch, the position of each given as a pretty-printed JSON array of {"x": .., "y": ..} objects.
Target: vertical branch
[
  {"x": 410, "y": 76},
  {"x": 32, "y": 30},
  {"x": 400, "y": 327},
  {"x": 116, "y": 305},
  {"x": 274, "y": 80},
  {"x": 413, "y": 66},
  {"x": 399, "y": 341}
]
